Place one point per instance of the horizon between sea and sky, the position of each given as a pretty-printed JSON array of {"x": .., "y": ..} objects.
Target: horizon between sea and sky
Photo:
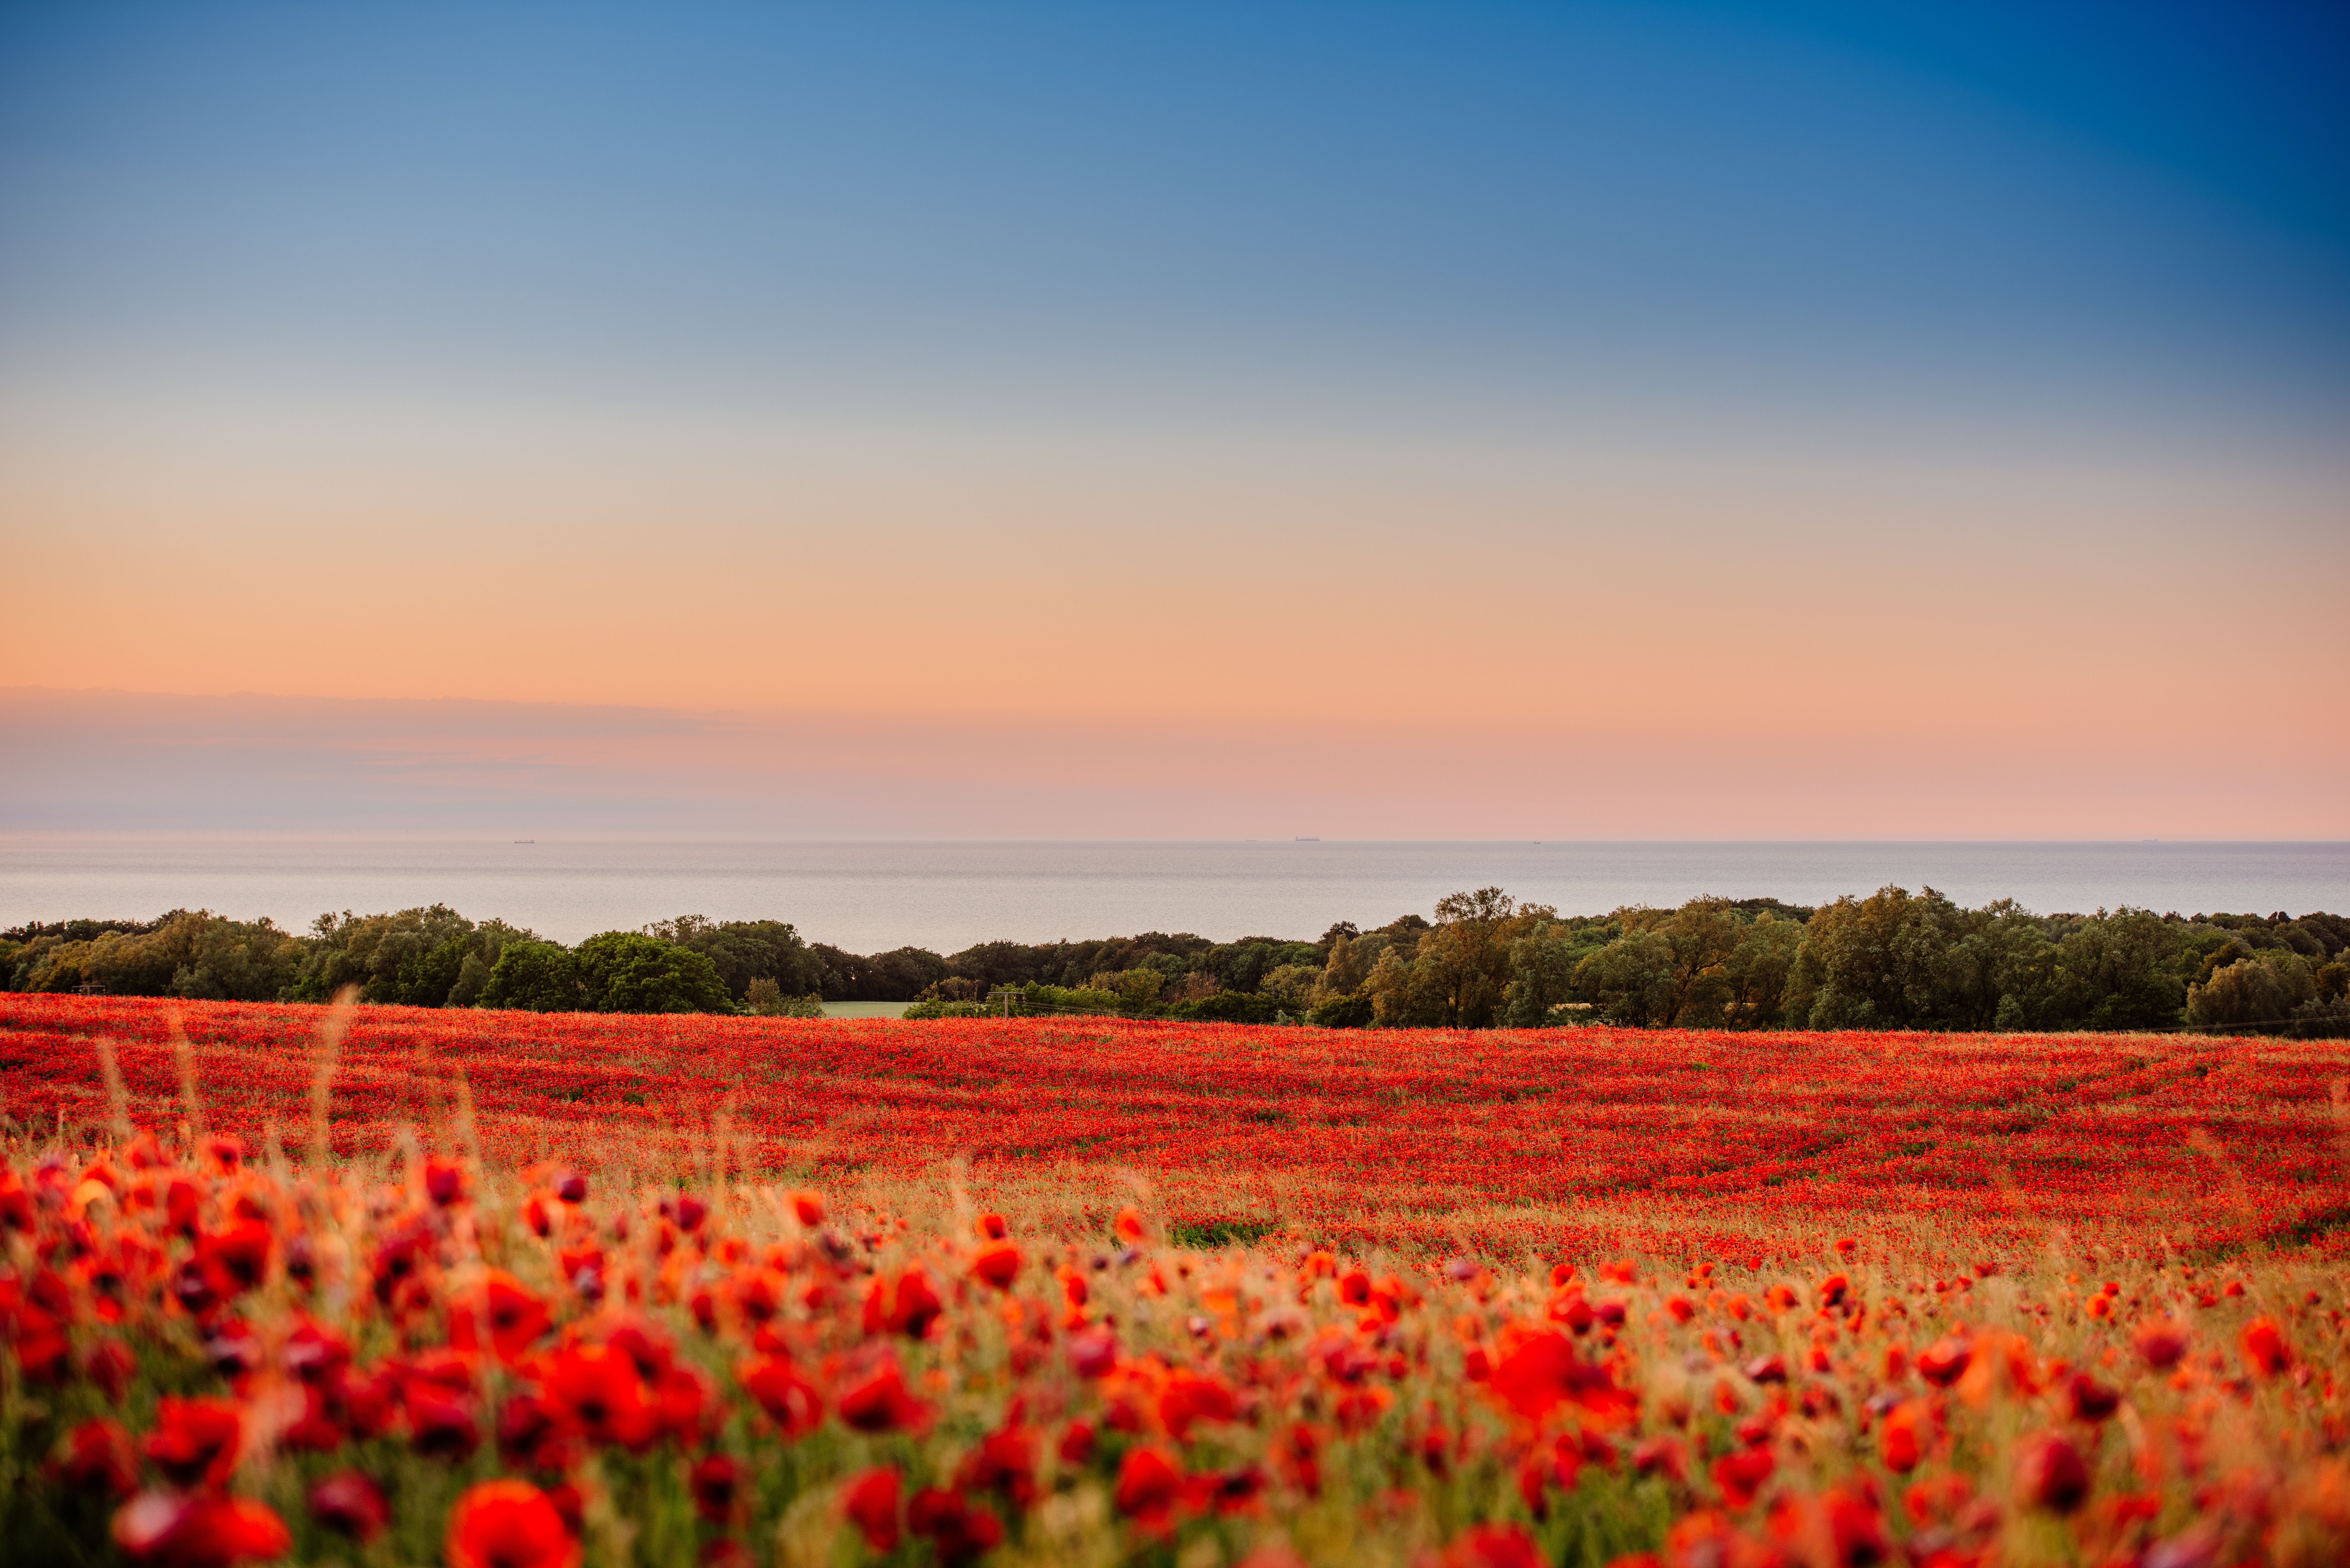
[
  {"x": 1803, "y": 420},
  {"x": 872, "y": 896}
]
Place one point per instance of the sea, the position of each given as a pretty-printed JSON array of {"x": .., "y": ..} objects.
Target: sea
[{"x": 869, "y": 897}]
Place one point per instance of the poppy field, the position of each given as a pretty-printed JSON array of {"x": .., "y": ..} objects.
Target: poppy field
[
  {"x": 380, "y": 1286},
  {"x": 1735, "y": 1147}
]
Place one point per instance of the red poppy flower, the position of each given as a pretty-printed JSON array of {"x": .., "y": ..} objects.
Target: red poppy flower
[
  {"x": 2051, "y": 1474},
  {"x": 315, "y": 1355},
  {"x": 1740, "y": 1475},
  {"x": 240, "y": 1251},
  {"x": 1540, "y": 1370},
  {"x": 1944, "y": 1362},
  {"x": 715, "y": 1480},
  {"x": 350, "y": 1504},
  {"x": 909, "y": 1310},
  {"x": 110, "y": 1365},
  {"x": 569, "y": 1505},
  {"x": 98, "y": 1458},
  {"x": 641, "y": 1343},
  {"x": 1494, "y": 1546},
  {"x": 528, "y": 1433},
  {"x": 444, "y": 1181},
  {"x": 1093, "y": 1352},
  {"x": 959, "y": 1532},
  {"x": 2089, "y": 1399},
  {"x": 997, "y": 1264},
  {"x": 1004, "y": 1463},
  {"x": 2266, "y": 1349},
  {"x": 2161, "y": 1344},
  {"x": 1661, "y": 1456},
  {"x": 504, "y": 1310},
  {"x": 43, "y": 1350},
  {"x": 784, "y": 1393},
  {"x": 808, "y": 1208},
  {"x": 1187, "y": 1397},
  {"x": 1076, "y": 1444},
  {"x": 182, "y": 1204},
  {"x": 594, "y": 1389},
  {"x": 1848, "y": 1524},
  {"x": 508, "y": 1524},
  {"x": 176, "y": 1531},
  {"x": 367, "y": 1401},
  {"x": 1901, "y": 1441},
  {"x": 441, "y": 1424},
  {"x": 196, "y": 1442},
  {"x": 880, "y": 1403},
  {"x": 1149, "y": 1483},
  {"x": 679, "y": 1396},
  {"x": 870, "y": 1501}
]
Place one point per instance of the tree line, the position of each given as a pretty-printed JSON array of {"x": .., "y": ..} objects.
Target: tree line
[{"x": 1891, "y": 959}]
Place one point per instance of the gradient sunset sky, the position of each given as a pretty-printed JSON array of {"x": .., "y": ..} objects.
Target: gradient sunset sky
[{"x": 1444, "y": 421}]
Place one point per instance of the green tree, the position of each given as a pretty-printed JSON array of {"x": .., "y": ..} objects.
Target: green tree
[
  {"x": 629, "y": 971},
  {"x": 1542, "y": 975},
  {"x": 535, "y": 977},
  {"x": 1702, "y": 936},
  {"x": 2117, "y": 973},
  {"x": 1869, "y": 963},
  {"x": 2261, "y": 992},
  {"x": 1395, "y": 1003},
  {"x": 195, "y": 954},
  {"x": 1631, "y": 980},
  {"x": 745, "y": 951},
  {"x": 1351, "y": 960},
  {"x": 426, "y": 979},
  {"x": 1754, "y": 978},
  {"x": 390, "y": 957}
]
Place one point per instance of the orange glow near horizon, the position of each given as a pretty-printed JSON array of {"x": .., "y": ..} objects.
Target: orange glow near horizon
[{"x": 1822, "y": 604}]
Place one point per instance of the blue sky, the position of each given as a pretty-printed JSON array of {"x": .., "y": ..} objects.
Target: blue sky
[{"x": 1973, "y": 206}]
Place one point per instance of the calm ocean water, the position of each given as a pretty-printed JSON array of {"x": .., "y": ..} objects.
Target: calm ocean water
[{"x": 869, "y": 897}]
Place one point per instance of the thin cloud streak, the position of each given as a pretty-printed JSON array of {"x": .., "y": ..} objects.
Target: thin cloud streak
[{"x": 83, "y": 761}]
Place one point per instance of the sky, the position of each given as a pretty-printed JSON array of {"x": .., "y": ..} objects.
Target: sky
[{"x": 1149, "y": 421}]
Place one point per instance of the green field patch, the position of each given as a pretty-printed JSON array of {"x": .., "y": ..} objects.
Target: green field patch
[{"x": 1209, "y": 1234}]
